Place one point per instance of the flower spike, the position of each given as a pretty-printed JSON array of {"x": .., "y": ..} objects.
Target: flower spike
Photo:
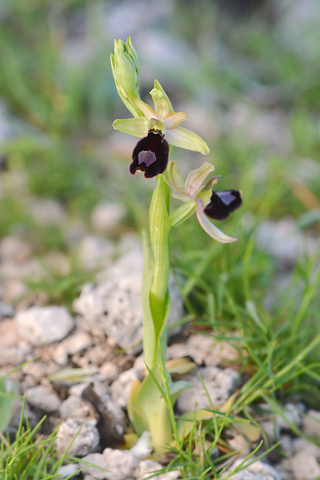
[{"x": 150, "y": 124}]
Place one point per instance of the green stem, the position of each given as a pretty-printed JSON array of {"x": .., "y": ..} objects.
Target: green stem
[
  {"x": 149, "y": 341},
  {"x": 159, "y": 234}
]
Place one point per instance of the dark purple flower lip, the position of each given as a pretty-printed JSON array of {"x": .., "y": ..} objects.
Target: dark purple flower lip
[
  {"x": 222, "y": 203},
  {"x": 150, "y": 155}
]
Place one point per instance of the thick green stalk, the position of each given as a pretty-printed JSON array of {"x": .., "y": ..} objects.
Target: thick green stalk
[
  {"x": 159, "y": 234},
  {"x": 149, "y": 341},
  {"x": 147, "y": 408}
]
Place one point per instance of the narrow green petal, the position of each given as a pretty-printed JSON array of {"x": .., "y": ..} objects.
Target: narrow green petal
[
  {"x": 178, "y": 192},
  {"x": 161, "y": 102},
  {"x": 147, "y": 111},
  {"x": 138, "y": 127},
  {"x": 174, "y": 175},
  {"x": 211, "y": 229},
  {"x": 173, "y": 120},
  {"x": 158, "y": 86},
  {"x": 196, "y": 179},
  {"x": 175, "y": 181},
  {"x": 183, "y": 138}
]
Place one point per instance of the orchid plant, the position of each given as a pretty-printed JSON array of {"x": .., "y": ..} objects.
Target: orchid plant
[{"x": 159, "y": 129}]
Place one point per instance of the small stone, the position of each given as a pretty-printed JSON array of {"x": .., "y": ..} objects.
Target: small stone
[
  {"x": 8, "y": 334},
  {"x": 302, "y": 445},
  {"x": 99, "y": 460},
  {"x": 43, "y": 398},
  {"x": 304, "y": 466},
  {"x": 271, "y": 430},
  {"x": 95, "y": 251},
  {"x": 143, "y": 447},
  {"x": 6, "y": 310},
  {"x": 95, "y": 355},
  {"x": 60, "y": 355},
  {"x": 27, "y": 414},
  {"x": 292, "y": 413},
  {"x": 74, "y": 407},
  {"x": 127, "y": 243},
  {"x": 109, "y": 370},
  {"x": 44, "y": 325},
  {"x": 284, "y": 240},
  {"x": 67, "y": 471},
  {"x": 311, "y": 423},
  {"x": 238, "y": 442},
  {"x": 120, "y": 465},
  {"x": 82, "y": 433},
  {"x": 12, "y": 356},
  {"x": 47, "y": 211},
  {"x": 220, "y": 385},
  {"x": 13, "y": 290},
  {"x": 121, "y": 387},
  {"x": 140, "y": 365},
  {"x": 14, "y": 250},
  {"x": 257, "y": 471},
  {"x": 210, "y": 351},
  {"x": 107, "y": 216},
  {"x": 37, "y": 371},
  {"x": 146, "y": 467},
  {"x": 287, "y": 445},
  {"x": 77, "y": 342}
]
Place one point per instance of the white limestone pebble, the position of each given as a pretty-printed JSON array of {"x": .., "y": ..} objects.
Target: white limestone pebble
[
  {"x": 44, "y": 325},
  {"x": 114, "y": 305},
  {"x": 220, "y": 384},
  {"x": 257, "y": 471},
  {"x": 120, "y": 465},
  {"x": 107, "y": 216},
  {"x": 44, "y": 398},
  {"x": 146, "y": 467},
  {"x": 83, "y": 435}
]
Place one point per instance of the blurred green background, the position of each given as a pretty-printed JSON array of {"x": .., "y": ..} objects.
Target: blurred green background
[{"x": 249, "y": 79}]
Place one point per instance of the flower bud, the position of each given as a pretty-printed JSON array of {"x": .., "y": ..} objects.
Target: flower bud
[{"x": 126, "y": 73}]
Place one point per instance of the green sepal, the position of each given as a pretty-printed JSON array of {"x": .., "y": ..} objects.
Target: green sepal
[
  {"x": 183, "y": 138},
  {"x": 138, "y": 126},
  {"x": 161, "y": 102},
  {"x": 158, "y": 86}
]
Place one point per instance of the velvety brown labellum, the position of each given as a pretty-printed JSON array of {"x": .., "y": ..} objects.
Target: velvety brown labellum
[
  {"x": 150, "y": 155},
  {"x": 222, "y": 203}
]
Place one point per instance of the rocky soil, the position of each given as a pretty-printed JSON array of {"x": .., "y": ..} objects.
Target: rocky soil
[
  {"x": 90, "y": 358},
  {"x": 81, "y": 362}
]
